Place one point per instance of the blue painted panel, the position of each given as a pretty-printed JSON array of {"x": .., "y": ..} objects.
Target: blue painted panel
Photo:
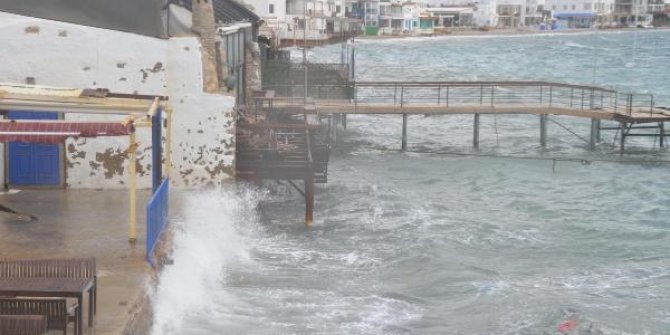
[{"x": 33, "y": 164}]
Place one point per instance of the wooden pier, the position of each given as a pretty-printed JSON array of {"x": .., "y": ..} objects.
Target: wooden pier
[
  {"x": 477, "y": 98},
  {"x": 289, "y": 137}
]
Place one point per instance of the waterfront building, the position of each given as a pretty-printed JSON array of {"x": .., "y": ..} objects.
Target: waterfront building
[
  {"x": 582, "y": 13},
  {"x": 483, "y": 12},
  {"x": 633, "y": 12},
  {"x": 510, "y": 13},
  {"x": 131, "y": 50},
  {"x": 391, "y": 18},
  {"x": 451, "y": 17}
]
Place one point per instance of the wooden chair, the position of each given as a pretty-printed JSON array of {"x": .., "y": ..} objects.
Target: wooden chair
[
  {"x": 23, "y": 324},
  {"x": 55, "y": 310},
  {"x": 75, "y": 268}
]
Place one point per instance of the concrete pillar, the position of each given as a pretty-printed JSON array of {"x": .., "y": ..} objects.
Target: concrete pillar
[
  {"x": 543, "y": 130},
  {"x": 598, "y": 138},
  {"x": 475, "y": 134},
  {"x": 404, "y": 132}
]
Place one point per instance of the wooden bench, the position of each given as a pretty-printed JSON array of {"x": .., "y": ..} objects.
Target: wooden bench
[
  {"x": 74, "y": 268},
  {"x": 56, "y": 311},
  {"x": 23, "y": 324}
]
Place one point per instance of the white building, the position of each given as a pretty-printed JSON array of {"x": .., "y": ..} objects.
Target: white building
[
  {"x": 582, "y": 13},
  {"x": 130, "y": 56}
]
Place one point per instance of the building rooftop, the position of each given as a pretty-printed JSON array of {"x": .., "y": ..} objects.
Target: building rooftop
[
  {"x": 142, "y": 17},
  {"x": 226, "y": 11}
]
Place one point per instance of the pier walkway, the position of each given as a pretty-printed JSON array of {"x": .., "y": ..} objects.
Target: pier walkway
[
  {"x": 486, "y": 97},
  {"x": 286, "y": 138}
]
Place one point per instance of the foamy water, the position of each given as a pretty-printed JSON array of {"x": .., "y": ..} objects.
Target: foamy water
[{"x": 410, "y": 243}]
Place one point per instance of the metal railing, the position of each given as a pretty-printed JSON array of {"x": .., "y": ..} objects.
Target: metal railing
[
  {"x": 157, "y": 217},
  {"x": 491, "y": 93}
]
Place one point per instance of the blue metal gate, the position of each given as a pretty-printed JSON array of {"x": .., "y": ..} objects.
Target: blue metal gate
[
  {"x": 157, "y": 217},
  {"x": 33, "y": 164}
]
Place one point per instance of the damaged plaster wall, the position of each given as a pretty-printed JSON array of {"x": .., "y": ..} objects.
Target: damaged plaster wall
[
  {"x": 203, "y": 147},
  {"x": 66, "y": 55}
]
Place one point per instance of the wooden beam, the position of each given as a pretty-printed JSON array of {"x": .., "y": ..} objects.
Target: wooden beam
[{"x": 132, "y": 188}]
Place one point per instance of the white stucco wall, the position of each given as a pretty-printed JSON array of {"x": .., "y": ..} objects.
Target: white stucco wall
[
  {"x": 67, "y": 55},
  {"x": 203, "y": 147}
]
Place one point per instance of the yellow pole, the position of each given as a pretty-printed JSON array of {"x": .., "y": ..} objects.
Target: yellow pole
[
  {"x": 132, "y": 187},
  {"x": 168, "y": 142}
]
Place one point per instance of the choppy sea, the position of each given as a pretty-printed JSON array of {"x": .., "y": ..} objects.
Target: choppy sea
[{"x": 507, "y": 239}]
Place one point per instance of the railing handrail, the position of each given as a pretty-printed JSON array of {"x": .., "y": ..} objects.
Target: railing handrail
[{"x": 553, "y": 94}]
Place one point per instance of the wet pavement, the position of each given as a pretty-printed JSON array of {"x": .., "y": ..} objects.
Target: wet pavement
[{"x": 83, "y": 223}]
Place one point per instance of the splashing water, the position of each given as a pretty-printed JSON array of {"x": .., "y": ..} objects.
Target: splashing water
[{"x": 213, "y": 236}]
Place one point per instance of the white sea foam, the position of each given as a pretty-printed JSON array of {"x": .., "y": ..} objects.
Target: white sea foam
[{"x": 210, "y": 238}]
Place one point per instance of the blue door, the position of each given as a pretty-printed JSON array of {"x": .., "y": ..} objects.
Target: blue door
[{"x": 33, "y": 164}]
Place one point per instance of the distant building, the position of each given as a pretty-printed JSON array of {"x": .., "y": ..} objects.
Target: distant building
[
  {"x": 510, "y": 13},
  {"x": 633, "y": 12},
  {"x": 451, "y": 17},
  {"x": 582, "y": 13},
  {"x": 284, "y": 20}
]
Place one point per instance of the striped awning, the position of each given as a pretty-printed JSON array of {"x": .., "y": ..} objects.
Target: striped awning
[{"x": 51, "y": 132}]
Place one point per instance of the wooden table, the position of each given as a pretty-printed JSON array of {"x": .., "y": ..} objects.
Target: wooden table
[{"x": 52, "y": 287}]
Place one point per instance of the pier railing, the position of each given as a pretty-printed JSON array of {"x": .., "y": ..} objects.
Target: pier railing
[
  {"x": 491, "y": 93},
  {"x": 157, "y": 217}
]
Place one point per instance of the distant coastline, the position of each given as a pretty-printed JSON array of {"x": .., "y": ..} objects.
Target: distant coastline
[{"x": 511, "y": 31}]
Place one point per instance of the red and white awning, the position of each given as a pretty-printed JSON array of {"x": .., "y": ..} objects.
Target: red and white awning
[{"x": 51, "y": 132}]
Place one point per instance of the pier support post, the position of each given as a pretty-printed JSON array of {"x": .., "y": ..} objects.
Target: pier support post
[
  {"x": 595, "y": 128},
  {"x": 623, "y": 137},
  {"x": 475, "y": 133},
  {"x": 344, "y": 121},
  {"x": 661, "y": 138},
  {"x": 309, "y": 199},
  {"x": 404, "y": 132},
  {"x": 598, "y": 138},
  {"x": 335, "y": 128},
  {"x": 543, "y": 130}
]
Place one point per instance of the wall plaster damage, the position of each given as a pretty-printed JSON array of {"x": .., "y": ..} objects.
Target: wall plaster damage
[{"x": 66, "y": 55}]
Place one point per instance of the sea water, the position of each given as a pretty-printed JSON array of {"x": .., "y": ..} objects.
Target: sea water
[{"x": 508, "y": 239}]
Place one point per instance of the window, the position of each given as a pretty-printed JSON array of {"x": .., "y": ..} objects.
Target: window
[
  {"x": 338, "y": 8},
  {"x": 553, "y": 7},
  {"x": 271, "y": 10},
  {"x": 574, "y": 7},
  {"x": 565, "y": 7},
  {"x": 587, "y": 6}
]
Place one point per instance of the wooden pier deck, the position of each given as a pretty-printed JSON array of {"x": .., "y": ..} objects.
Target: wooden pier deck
[
  {"x": 293, "y": 121},
  {"x": 347, "y": 107}
]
